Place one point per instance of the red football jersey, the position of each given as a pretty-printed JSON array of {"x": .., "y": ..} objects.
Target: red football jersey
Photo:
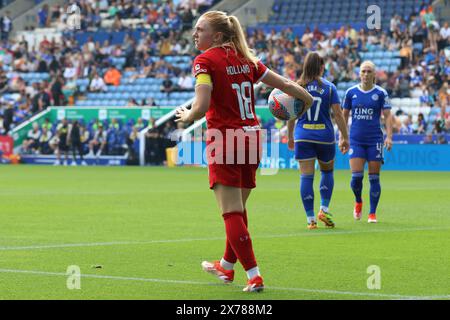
[{"x": 233, "y": 98}]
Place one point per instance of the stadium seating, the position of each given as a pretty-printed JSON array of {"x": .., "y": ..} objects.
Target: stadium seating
[{"x": 289, "y": 12}]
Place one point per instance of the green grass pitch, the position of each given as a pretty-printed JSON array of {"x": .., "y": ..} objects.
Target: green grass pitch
[{"x": 150, "y": 228}]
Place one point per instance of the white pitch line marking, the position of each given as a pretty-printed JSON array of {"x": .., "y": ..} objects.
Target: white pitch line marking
[
  {"x": 275, "y": 236},
  {"x": 319, "y": 291}
]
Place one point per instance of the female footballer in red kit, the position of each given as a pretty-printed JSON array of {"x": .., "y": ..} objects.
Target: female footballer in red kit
[{"x": 225, "y": 73}]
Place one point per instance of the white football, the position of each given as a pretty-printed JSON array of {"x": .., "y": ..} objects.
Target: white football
[{"x": 284, "y": 107}]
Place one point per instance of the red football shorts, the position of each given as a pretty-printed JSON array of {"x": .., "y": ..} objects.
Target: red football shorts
[
  {"x": 233, "y": 175},
  {"x": 240, "y": 172}
]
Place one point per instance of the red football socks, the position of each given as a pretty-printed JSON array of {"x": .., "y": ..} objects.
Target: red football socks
[
  {"x": 229, "y": 254},
  {"x": 239, "y": 240}
]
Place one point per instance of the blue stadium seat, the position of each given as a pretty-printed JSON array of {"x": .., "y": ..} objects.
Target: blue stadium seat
[
  {"x": 378, "y": 54},
  {"x": 159, "y": 95},
  {"x": 141, "y": 95},
  {"x": 139, "y": 81},
  {"x": 136, "y": 88}
]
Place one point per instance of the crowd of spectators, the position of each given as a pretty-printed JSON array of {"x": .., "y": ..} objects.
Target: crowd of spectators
[
  {"x": 423, "y": 73},
  {"x": 67, "y": 61},
  {"x": 157, "y": 15},
  {"x": 73, "y": 139}
]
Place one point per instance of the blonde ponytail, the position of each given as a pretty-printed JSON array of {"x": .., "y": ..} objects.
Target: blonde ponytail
[
  {"x": 232, "y": 32},
  {"x": 240, "y": 42}
]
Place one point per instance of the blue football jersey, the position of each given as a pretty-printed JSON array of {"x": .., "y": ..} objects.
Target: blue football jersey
[
  {"x": 366, "y": 108},
  {"x": 316, "y": 125}
]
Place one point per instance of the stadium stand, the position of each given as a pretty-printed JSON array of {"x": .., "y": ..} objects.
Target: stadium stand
[
  {"x": 148, "y": 44},
  {"x": 412, "y": 54},
  {"x": 37, "y": 72}
]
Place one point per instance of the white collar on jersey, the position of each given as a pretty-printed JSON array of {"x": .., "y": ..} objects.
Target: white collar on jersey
[{"x": 360, "y": 89}]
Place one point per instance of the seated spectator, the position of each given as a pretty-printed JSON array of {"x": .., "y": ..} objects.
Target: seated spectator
[
  {"x": 44, "y": 141},
  {"x": 444, "y": 36},
  {"x": 145, "y": 71},
  {"x": 167, "y": 85},
  {"x": 139, "y": 124},
  {"x": 31, "y": 143},
  {"x": 441, "y": 139},
  {"x": 428, "y": 139},
  {"x": 47, "y": 124},
  {"x": 16, "y": 83},
  {"x": 407, "y": 127},
  {"x": 185, "y": 82},
  {"x": 439, "y": 127},
  {"x": 132, "y": 103},
  {"x": 420, "y": 126},
  {"x": 113, "y": 76},
  {"x": 97, "y": 84},
  {"x": 70, "y": 71},
  {"x": 114, "y": 124},
  {"x": 150, "y": 102},
  {"x": 98, "y": 144}
]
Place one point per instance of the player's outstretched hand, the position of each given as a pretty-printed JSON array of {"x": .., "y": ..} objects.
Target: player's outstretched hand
[
  {"x": 182, "y": 114},
  {"x": 344, "y": 145},
  {"x": 388, "y": 144}
]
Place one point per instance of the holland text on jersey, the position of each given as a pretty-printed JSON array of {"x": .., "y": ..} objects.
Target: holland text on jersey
[{"x": 239, "y": 69}]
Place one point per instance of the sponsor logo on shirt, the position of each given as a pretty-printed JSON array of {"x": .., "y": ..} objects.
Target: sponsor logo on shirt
[
  {"x": 361, "y": 113},
  {"x": 319, "y": 126},
  {"x": 198, "y": 70}
]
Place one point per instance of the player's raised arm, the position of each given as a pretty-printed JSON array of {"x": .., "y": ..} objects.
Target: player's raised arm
[
  {"x": 388, "y": 121},
  {"x": 289, "y": 87}
]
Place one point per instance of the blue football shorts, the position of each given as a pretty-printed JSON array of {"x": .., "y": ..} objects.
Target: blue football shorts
[
  {"x": 370, "y": 152},
  {"x": 310, "y": 150}
]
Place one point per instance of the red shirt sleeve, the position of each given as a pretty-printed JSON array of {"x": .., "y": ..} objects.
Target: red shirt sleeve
[
  {"x": 260, "y": 72},
  {"x": 201, "y": 65}
]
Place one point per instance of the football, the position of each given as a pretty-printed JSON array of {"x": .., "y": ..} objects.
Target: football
[{"x": 284, "y": 107}]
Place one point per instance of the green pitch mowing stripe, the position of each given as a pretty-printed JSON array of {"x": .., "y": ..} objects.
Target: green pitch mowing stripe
[{"x": 144, "y": 224}]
